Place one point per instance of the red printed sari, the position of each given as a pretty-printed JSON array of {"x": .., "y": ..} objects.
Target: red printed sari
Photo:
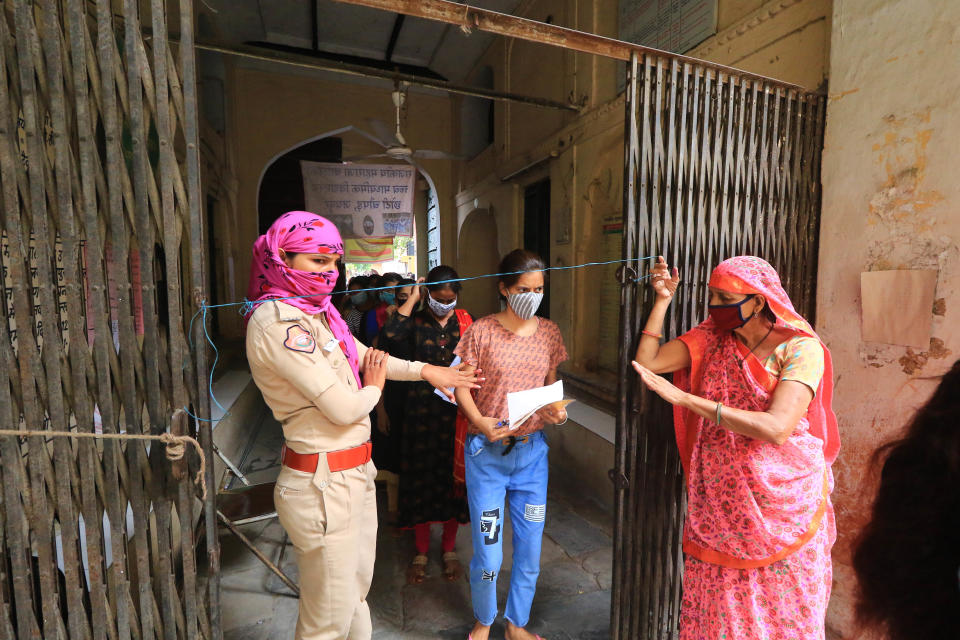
[{"x": 759, "y": 525}]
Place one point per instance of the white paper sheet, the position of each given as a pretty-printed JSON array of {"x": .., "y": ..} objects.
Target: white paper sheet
[
  {"x": 456, "y": 361},
  {"x": 523, "y": 404}
]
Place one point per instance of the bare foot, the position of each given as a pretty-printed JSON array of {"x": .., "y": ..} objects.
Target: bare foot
[
  {"x": 519, "y": 633},
  {"x": 480, "y": 632}
]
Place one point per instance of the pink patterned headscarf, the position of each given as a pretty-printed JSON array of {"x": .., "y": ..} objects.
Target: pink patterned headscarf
[
  {"x": 750, "y": 274},
  {"x": 271, "y": 278}
]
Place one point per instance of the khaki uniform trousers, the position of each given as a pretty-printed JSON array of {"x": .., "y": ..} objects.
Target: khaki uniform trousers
[{"x": 331, "y": 519}]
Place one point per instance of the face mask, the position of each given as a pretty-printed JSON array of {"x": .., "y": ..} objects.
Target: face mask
[
  {"x": 438, "y": 308},
  {"x": 358, "y": 299},
  {"x": 727, "y": 317},
  {"x": 389, "y": 297},
  {"x": 525, "y": 305}
]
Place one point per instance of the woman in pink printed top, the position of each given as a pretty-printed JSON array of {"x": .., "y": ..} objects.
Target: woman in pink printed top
[{"x": 517, "y": 351}]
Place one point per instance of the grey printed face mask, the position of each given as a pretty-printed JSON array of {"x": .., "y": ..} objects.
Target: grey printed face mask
[
  {"x": 439, "y": 309},
  {"x": 525, "y": 304}
]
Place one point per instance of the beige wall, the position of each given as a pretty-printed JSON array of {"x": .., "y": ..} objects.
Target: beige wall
[
  {"x": 890, "y": 201},
  {"x": 274, "y": 109},
  {"x": 583, "y": 154}
]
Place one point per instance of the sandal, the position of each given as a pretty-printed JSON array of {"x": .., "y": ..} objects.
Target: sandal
[
  {"x": 417, "y": 570},
  {"x": 452, "y": 569}
]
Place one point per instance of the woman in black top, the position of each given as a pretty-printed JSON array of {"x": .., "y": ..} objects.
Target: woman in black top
[{"x": 428, "y": 492}]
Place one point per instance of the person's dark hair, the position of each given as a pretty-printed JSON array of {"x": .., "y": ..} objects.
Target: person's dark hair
[
  {"x": 340, "y": 286},
  {"x": 406, "y": 282},
  {"x": 768, "y": 312},
  {"x": 375, "y": 281},
  {"x": 390, "y": 276},
  {"x": 442, "y": 273},
  {"x": 360, "y": 282},
  {"x": 907, "y": 557},
  {"x": 518, "y": 262}
]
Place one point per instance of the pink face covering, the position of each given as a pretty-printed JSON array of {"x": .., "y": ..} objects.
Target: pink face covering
[{"x": 271, "y": 278}]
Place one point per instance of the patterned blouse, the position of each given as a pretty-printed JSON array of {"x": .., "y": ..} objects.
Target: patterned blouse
[
  {"x": 800, "y": 359},
  {"x": 510, "y": 362}
]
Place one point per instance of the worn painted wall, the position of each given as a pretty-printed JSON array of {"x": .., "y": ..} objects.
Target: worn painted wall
[
  {"x": 891, "y": 200},
  {"x": 274, "y": 109},
  {"x": 583, "y": 154}
]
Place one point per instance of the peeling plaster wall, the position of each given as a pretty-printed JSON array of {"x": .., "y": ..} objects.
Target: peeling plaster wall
[{"x": 891, "y": 200}]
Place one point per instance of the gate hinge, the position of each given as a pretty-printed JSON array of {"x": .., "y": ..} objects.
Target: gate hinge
[
  {"x": 620, "y": 481},
  {"x": 625, "y": 274}
]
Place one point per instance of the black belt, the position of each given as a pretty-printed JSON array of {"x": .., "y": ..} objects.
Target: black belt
[{"x": 511, "y": 441}]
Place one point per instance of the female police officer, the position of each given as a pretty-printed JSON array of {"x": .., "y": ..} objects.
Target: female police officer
[{"x": 307, "y": 365}]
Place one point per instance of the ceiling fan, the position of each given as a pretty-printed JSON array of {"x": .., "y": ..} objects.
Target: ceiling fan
[{"x": 394, "y": 144}]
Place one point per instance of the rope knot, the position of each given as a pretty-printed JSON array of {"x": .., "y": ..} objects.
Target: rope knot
[{"x": 176, "y": 447}]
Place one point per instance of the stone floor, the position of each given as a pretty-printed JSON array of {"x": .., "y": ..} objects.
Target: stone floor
[{"x": 573, "y": 597}]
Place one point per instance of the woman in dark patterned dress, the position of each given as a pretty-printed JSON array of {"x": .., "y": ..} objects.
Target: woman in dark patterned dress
[{"x": 428, "y": 492}]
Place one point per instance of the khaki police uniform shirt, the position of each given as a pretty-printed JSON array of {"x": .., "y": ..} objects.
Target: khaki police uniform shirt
[{"x": 307, "y": 382}]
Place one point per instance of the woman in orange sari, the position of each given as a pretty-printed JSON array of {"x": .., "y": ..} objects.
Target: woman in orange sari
[{"x": 752, "y": 409}]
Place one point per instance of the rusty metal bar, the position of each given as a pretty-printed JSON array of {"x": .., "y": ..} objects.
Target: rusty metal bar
[
  {"x": 14, "y": 479},
  {"x": 89, "y": 460},
  {"x": 503, "y": 24},
  {"x": 172, "y": 231},
  {"x": 114, "y": 209},
  {"x": 43, "y": 518},
  {"x": 160, "y": 569},
  {"x": 66, "y": 514},
  {"x": 198, "y": 283},
  {"x": 714, "y": 170},
  {"x": 259, "y": 554},
  {"x": 620, "y": 477}
]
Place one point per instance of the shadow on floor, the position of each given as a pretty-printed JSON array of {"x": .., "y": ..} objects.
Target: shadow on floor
[{"x": 573, "y": 594}]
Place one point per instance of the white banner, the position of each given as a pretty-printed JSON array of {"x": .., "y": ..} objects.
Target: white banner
[{"x": 363, "y": 200}]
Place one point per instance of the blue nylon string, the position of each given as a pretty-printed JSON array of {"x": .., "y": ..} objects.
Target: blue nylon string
[{"x": 247, "y": 306}]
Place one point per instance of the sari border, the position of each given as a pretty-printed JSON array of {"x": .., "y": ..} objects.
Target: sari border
[{"x": 725, "y": 560}]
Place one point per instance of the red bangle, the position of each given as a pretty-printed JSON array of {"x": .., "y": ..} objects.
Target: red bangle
[{"x": 652, "y": 334}]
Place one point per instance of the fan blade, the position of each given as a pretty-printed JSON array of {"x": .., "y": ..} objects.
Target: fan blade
[
  {"x": 383, "y": 131},
  {"x": 368, "y": 136},
  {"x": 431, "y": 154},
  {"x": 362, "y": 158}
]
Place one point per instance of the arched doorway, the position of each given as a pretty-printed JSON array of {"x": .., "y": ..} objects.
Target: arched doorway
[
  {"x": 479, "y": 253},
  {"x": 281, "y": 187}
]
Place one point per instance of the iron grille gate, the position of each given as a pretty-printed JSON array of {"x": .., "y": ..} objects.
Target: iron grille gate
[
  {"x": 102, "y": 257},
  {"x": 716, "y": 165}
]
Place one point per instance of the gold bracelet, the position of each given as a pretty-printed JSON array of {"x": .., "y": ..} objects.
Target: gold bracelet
[{"x": 719, "y": 413}]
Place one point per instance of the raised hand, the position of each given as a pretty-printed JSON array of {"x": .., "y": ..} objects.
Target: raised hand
[{"x": 664, "y": 280}]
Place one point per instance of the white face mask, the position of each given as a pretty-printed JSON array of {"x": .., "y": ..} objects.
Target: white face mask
[
  {"x": 438, "y": 308},
  {"x": 525, "y": 305}
]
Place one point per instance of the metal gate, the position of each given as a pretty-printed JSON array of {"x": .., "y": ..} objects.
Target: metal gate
[
  {"x": 102, "y": 259},
  {"x": 716, "y": 164}
]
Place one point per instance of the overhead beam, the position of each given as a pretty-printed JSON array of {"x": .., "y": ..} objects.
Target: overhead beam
[
  {"x": 503, "y": 24},
  {"x": 308, "y": 62},
  {"x": 394, "y": 36}
]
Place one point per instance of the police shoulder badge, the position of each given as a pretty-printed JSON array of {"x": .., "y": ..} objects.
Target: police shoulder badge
[{"x": 299, "y": 339}]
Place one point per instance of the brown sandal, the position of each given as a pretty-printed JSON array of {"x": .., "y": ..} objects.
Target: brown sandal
[
  {"x": 417, "y": 570},
  {"x": 452, "y": 569}
]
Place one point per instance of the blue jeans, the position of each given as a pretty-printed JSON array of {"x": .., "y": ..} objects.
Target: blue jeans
[{"x": 520, "y": 475}]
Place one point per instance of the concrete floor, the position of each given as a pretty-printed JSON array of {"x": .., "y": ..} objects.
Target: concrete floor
[{"x": 573, "y": 597}]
